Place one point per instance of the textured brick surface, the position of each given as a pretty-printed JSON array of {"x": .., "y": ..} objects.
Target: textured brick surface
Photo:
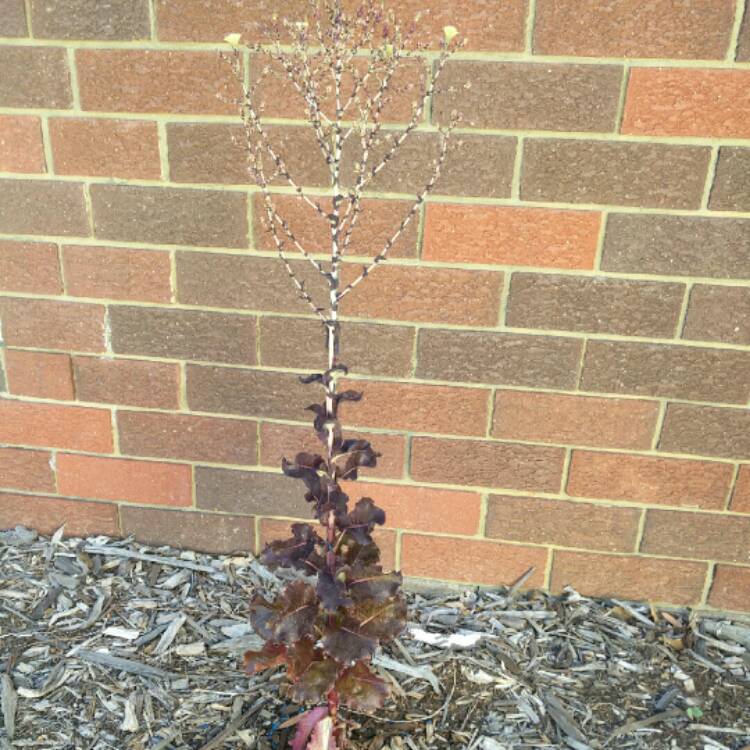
[
  {"x": 718, "y": 313},
  {"x": 707, "y": 431},
  {"x": 731, "y": 186},
  {"x": 35, "y": 77},
  {"x": 105, "y": 148},
  {"x": 514, "y": 236},
  {"x": 741, "y": 494},
  {"x": 530, "y": 519},
  {"x": 12, "y": 18},
  {"x": 26, "y": 470},
  {"x": 630, "y": 577},
  {"x": 146, "y": 482},
  {"x": 677, "y": 245},
  {"x": 498, "y": 358},
  {"x": 598, "y": 305},
  {"x": 730, "y": 588},
  {"x": 188, "y": 437},
  {"x": 183, "y": 334},
  {"x": 743, "y": 43},
  {"x": 486, "y": 464},
  {"x": 699, "y": 535},
  {"x": 90, "y": 19},
  {"x": 576, "y": 420},
  {"x": 530, "y": 96},
  {"x": 29, "y": 267},
  {"x": 21, "y": 147},
  {"x": 654, "y": 175},
  {"x": 39, "y": 374},
  {"x": 683, "y": 372},
  {"x": 693, "y": 29},
  {"x": 42, "y": 207},
  {"x": 646, "y": 479},
  {"x": 169, "y": 216},
  {"x": 686, "y": 101}
]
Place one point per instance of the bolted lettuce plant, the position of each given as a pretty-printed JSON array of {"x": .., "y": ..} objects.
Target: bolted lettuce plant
[{"x": 326, "y": 625}]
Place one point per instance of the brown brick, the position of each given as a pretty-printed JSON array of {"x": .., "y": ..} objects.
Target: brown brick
[
  {"x": 254, "y": 393},
  {"x": 39, "y": 374},
  {"x": 173, "y": 216},
  {"x": 708, "y": 103},
  {"x": 50, "y": 425},
  {"x": 708, "y": 536},
  {"x": 684, "y": 372},
  {"x": 498, "y": 358},
  {"x": 677, "y": 245},
  {"x": 487, "y": 464},
  {"x": 628, "y": 28},
  {"x": 105, "y": 148},
  {"x": 718, "y": 313},
  {"x": 90, "y": 19},
  {"x": 530, "y": 96},
  {"x": 596, "y": 304},
  {"x": 26, "y": 470},
  {"x": 743, "y": 43},
  {"x": 216, "y": 153},
  {"x": 707, "y": 431},
  {"x": 427, "y": 295},
  {"x": 156, "y": 81},
  {"x": 42, "y": 207},
  {"x": 577, "y": 420},
  {"x": 377, "y": 223},
  {"x": 13, "y": 18},
  {"x": 531, "y": 519},
  {"x": 417, "y": 408},
  {"x": 126, "y": 381},
  {"x": 279, "y": 441},
  {"x": 741, "y": 494},
  {"x": 654, "y": 175},
  {"x": 651, "y": 480},
  {"x": 35, "y": 77},
  {"x": 47, "y": 514},
  {"x": 49, "y": 324},
  {"x": 21, "y": 147},
  {"x": 370, "y": 349},
  {"x": 117, "y": 273},
  {"x": 204, "y": 532},
  {"x": 188, "y": 437},
  {"x": 731, "y": 187},
  {"x": 183, "y": 334},
  {"x": 509, "y": 235},
  {"x": 29, "y": 267},
  {"x": 730, "y": 588},
  {"x": 629, "y": 577},
  {"x": 146, "y": 482},
  {"x": 470, "y": 560}
]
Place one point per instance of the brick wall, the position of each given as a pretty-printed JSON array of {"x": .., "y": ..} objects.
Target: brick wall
[{"x": 556, "y": 362}]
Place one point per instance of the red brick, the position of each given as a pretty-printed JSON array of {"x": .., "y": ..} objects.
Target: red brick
[
  {"x": 43, "y": 207},
  {"x": 576, "y": 420},
  {"x": 105, "y": 148},
  {"x": 511, "y": 236},
  {"x": 530, "y": 468},
  {"x": 741, "y": 494},
  {"x": 718, "y": 313},
  {"x": 126, "y": 381},
  {"x": 144, "y": 482},
  {"x": 647, "y": 479},
  {"x": 26, "y": 470},
  {"x": 629, "y": 577},
  {"x": 417, "y": 408},
  {"x": 422, "y": 508},
  {"x": 49, "y": 324},
  {"x": 470, "y": 560},
  {"x": 188, "y": 437},
  {"x": 730, "y": 588},
  {"x": 585, "y": 525},
  {"x": 39, "y": 374},
  {"x": 21, "y": 147},
  {"x": 686, "y": 101},
  {"x": 427, "y": 295},
  {"x": 90, "y": 19},
  {"x": 29, "y": 267},
  {"x": 49, "y": 425},
  {"x": 279, "y": 441},
  {"x": 47, "y": 514},
  {"x": 155, "y": 81}
]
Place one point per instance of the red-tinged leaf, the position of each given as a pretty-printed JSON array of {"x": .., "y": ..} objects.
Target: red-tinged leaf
[
  {"x": 354, "y": 554},
  {"x": 271, "y": 655},
  {"x": 314, "y": 683},
  {"x": 322, "y": 736},
  {"x": 299, "y": 657},
  {"x": 360, "y": 522},
  {"x": 369, "y": 582},
  {"x": 289, "y": 618},
  {"x": 355, "y": 453},
  {"x": 361, "y": 689},
  {"x": 306, "y": 725},
  {"x": 332, "y": 591},
  {"x": 348, "y": 396},
  {"x": 261, "y": 617},
  {"x": 347, "y": 645},
  {"x": 294, "y": 552}
]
